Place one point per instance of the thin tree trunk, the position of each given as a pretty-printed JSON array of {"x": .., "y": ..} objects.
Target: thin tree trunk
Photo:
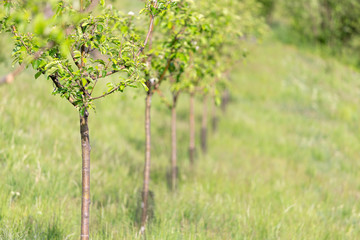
[
  {"x": 145, "y": 192},
  {"x": 85, "y": 203},
  {"x": 173, "y": 144},
  {"x": 192, "y": 129},
  {"x": 225, "y": 100},
  {"x": 214, "y": 117},
  {"x": 204, "y": 126}
]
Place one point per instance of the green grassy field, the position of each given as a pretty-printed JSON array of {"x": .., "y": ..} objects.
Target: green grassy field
[{"x": 284, "y": 163}]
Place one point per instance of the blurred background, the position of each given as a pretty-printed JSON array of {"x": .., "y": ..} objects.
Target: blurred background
[{"x": 283, "y": 163}]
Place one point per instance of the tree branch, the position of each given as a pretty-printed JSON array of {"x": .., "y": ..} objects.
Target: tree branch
[
  {"x": 108, "y": 93},
  {"x": 13, "y": 30},
  {"x": 113, "y": 90},
  {"x": 162, "y": 76},
  {"x": 163, "y": 98},
  {"x": 9, "y": 78},
  {"x": 73, "y": 58},
  {"x": 58, "y": 85},
  {"x": 91, "y": 7},
  {"x": 148, "y": 35}
]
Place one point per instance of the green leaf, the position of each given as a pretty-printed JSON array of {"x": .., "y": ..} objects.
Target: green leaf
[
  {"x": 83, "y": 81},
  {"x": 144, "y": 85},
  {"x": 51, "y": 70},
  {"x": 37, "y": 75},
  {"x": 121, "y": 87},
  {"x": 36, "y": 64},
  {"x": 100, "y": 27}
]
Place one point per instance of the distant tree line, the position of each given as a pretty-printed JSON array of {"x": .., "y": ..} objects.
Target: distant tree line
[{"x": 332, "y": 23}]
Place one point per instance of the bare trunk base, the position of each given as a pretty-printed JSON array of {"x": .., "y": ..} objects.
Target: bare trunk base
[
  {"x": 215, "y": 121},
  {"x": 204, "y": 140},
  {"x": 139, "y": 207},
  {"x": 192, "y": 129},
  {"x": 85, "y": 203},
  {"x": 174, "y": 167},
  {"x": 192, "y": 153},
  {"x": 225, "y": 100},
  {"x": 145, "y": 192},
  {"x": 172, "y": 177},
  {"x": 214, "y": 116}
]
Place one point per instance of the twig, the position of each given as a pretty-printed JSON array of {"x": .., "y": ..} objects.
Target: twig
[
  {"x": 113, "y": 90},
  {"x": 59, "y": 86},
  {"x": 163, "y": 98},
  {"x": 91, "y": 7},
  {"x": 9, "y": 78},
  {"x": 148, "y": 35},
  {"x": 13, "y": 30}
]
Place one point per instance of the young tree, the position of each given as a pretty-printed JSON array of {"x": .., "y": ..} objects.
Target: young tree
[
  {"x": 167, "y": 57},
  {"x": 57, "y": 41},
  {"x": 184, "y": 28},
  {"x": 215, "y": 36},
  {"x": 226, "y": 22}
]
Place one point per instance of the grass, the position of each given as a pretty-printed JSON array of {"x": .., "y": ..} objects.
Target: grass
[
  {"x": 344, "y": 53},
  {"x": 283, "y": 164}
]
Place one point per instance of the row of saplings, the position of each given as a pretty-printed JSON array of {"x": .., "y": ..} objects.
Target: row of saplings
[{"x": 189, "y": 45}]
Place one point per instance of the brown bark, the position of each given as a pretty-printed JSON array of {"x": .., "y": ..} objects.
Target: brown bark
[
  {"x": 173, "y": 144},
  {"x": 204, "y": 126},
  {"x": 192, "y": 129},
  {"x": 145, "y": 192},
  {"x": 85, "y": 203}
]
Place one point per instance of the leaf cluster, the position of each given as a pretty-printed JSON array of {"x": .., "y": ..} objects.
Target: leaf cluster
[{"x": 76, "y": 46}]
